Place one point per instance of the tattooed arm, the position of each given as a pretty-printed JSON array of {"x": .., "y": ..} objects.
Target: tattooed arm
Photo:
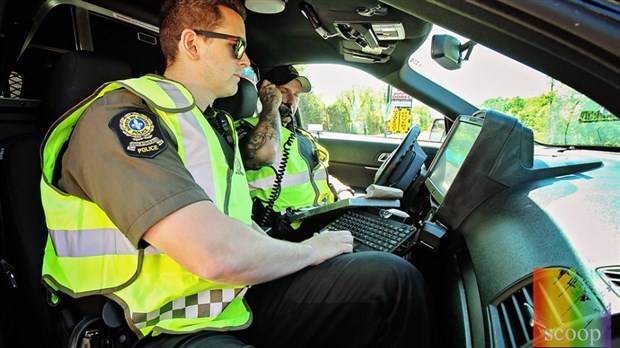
[{"x": 261, "y": 145}]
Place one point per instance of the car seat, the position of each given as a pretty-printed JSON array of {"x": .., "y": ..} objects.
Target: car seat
[
  {"x": 74, "y": 76},
  {"x": 243, "y": 103}
]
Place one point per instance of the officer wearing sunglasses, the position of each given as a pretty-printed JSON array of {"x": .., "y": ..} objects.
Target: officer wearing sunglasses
[{"x": 164, "y": 215}]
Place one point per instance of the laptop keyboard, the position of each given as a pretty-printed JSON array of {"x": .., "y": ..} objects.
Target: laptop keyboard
[{"x": 372, "y": 232}]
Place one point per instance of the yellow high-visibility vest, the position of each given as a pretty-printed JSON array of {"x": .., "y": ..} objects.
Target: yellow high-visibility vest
[
  {"x": 86, "y": 254},
  {"x": 303, "y": 184}
]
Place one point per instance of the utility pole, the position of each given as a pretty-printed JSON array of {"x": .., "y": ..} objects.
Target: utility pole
[{"x": 388, "y": 102}]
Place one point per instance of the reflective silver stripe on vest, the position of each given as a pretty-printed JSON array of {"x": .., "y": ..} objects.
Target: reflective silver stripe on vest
[
  {"x": 174, "y": 93},
  {"x": 95, "y": 242},
  {"x": 199, "y": 163},
  {"x": 194, "y": 142},
  {"x": 288, "y": 180},
  {"x": 209, "y": 303}
]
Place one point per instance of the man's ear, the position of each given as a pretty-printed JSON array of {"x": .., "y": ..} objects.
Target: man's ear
[{"x": 187, "y": 44}]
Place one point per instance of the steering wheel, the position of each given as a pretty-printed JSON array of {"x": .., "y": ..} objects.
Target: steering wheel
[{"x": 403, "y": 165}]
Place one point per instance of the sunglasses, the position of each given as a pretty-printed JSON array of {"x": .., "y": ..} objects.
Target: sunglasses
[{"x": 238, "y": 48}]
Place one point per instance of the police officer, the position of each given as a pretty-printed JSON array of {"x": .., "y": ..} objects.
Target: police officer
[
  {"x": 299, "y": 178},
  {"x": 146, "y": 203}
]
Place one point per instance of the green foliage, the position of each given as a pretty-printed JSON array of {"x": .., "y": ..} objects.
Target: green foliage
[
  {"x": 312, "y": 110},
  {"x": 340, "y": 112},
  {"x": 422, "y": 117},
  {"x": 559, "y": 117},
  {"x": 556, "y": 117},
  {"x": 369, "y": 119},
  {"x": 357, "y": 111}
]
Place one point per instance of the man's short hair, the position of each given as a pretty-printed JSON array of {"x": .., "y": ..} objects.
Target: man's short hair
[{"x": 177, "y": 15}]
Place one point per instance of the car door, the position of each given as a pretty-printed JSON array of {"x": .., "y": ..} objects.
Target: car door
[{"x": 355, "y": 159}]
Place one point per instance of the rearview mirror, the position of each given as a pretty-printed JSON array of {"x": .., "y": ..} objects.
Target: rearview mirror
[{"x": 447, "y": 51}]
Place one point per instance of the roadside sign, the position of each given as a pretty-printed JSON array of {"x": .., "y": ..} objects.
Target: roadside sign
[{"x": 400, "y": 121}]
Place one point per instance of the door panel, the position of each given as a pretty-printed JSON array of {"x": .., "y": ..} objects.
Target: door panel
[{"x": 355, "y": 159}]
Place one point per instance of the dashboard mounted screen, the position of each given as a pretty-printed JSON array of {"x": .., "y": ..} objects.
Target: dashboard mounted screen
[
  {"x": 483, "y": 154},
  {"x": 451, "y": 156}
]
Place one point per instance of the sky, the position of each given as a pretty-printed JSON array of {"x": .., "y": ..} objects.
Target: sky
[{"x": 329, "y": 80}]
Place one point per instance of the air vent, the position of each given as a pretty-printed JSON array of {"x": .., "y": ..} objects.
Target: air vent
[
  {"x": 515, "y": 315},
  {"x": 611, "y": 275},
  {"x": 563, "y": 300}
]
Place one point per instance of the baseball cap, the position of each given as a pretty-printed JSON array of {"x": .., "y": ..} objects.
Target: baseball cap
[{"x": 284, "y": 74}]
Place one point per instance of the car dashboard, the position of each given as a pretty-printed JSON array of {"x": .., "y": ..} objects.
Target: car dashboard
[
  {"x": 561, "y": 222},
  {"x": 503, "y": 215}
]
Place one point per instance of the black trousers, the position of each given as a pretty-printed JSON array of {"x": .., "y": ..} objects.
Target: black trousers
[{"x": 367, "y": 299}]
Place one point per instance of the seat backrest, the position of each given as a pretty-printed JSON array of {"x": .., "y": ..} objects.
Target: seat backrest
[
  {"x": 24, "y": 238},
  {"x": 242, "y": 104},
  {"x": 74, "y": 76}
]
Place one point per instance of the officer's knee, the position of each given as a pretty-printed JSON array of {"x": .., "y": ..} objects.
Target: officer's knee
[{"x": 386, "y": 268}]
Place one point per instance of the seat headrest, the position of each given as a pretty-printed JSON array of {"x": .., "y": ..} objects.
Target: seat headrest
[
  {"x": 242, "y": 104},
  {"x": 75, "y": 76}
]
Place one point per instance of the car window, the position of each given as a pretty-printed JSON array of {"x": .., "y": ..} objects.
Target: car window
[
  {"x": 350, "y": 101},
  {"x": 557, "y": 114}
]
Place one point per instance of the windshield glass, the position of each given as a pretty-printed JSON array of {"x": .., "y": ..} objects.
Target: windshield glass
[{"x": 557, "y": 114}]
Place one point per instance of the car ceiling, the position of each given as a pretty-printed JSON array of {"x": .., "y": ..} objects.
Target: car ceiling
[
  {"x": 305, "y": 45},
  {"x": 274, "y": 39},
  {"x": 289, "y": 38},
  {"x": 584, "y": 58}
]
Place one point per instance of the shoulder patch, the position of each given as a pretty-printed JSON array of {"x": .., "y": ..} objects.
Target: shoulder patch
[{"x": 139, "y": 133}]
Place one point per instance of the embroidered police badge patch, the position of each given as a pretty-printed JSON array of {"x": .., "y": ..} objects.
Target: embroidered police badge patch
[{"x": 139, "y": 133}]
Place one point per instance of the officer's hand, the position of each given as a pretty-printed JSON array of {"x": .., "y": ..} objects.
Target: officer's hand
[
  {"x": 270, "y": 96},
  {"x": 329, "y": 244}
]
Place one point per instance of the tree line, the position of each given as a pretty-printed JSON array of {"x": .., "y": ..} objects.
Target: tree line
[{"x": 559, "y": 116}]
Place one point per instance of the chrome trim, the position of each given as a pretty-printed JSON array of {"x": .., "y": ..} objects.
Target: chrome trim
[
  {"x": 83, "y": 31},
  {"x": 384, "y": 156},
  {"x": 84, "y": 41}
]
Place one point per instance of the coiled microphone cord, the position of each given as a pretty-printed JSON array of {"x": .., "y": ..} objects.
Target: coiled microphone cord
[{"x": 277, "y": 185}]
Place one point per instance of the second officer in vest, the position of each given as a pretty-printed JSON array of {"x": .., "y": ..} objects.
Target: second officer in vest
[{"x": 299, "y": 177}]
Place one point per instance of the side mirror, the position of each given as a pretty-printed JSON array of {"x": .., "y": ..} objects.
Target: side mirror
[
  {"x": 447, "y": 51},
  {"x": 438, "y": 131},
  {"x": 316, "y": 129}
]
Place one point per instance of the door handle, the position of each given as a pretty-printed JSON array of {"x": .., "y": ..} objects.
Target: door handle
[{"x": 383, "y": 156}]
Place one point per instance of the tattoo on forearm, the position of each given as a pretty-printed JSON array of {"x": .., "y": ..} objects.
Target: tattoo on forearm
[
  {"x": 257, "y": 140},
  {"x": 257, "y": 147}
]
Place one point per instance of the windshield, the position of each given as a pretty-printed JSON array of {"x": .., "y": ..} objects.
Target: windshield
[{"x": 557, "y": 114}]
